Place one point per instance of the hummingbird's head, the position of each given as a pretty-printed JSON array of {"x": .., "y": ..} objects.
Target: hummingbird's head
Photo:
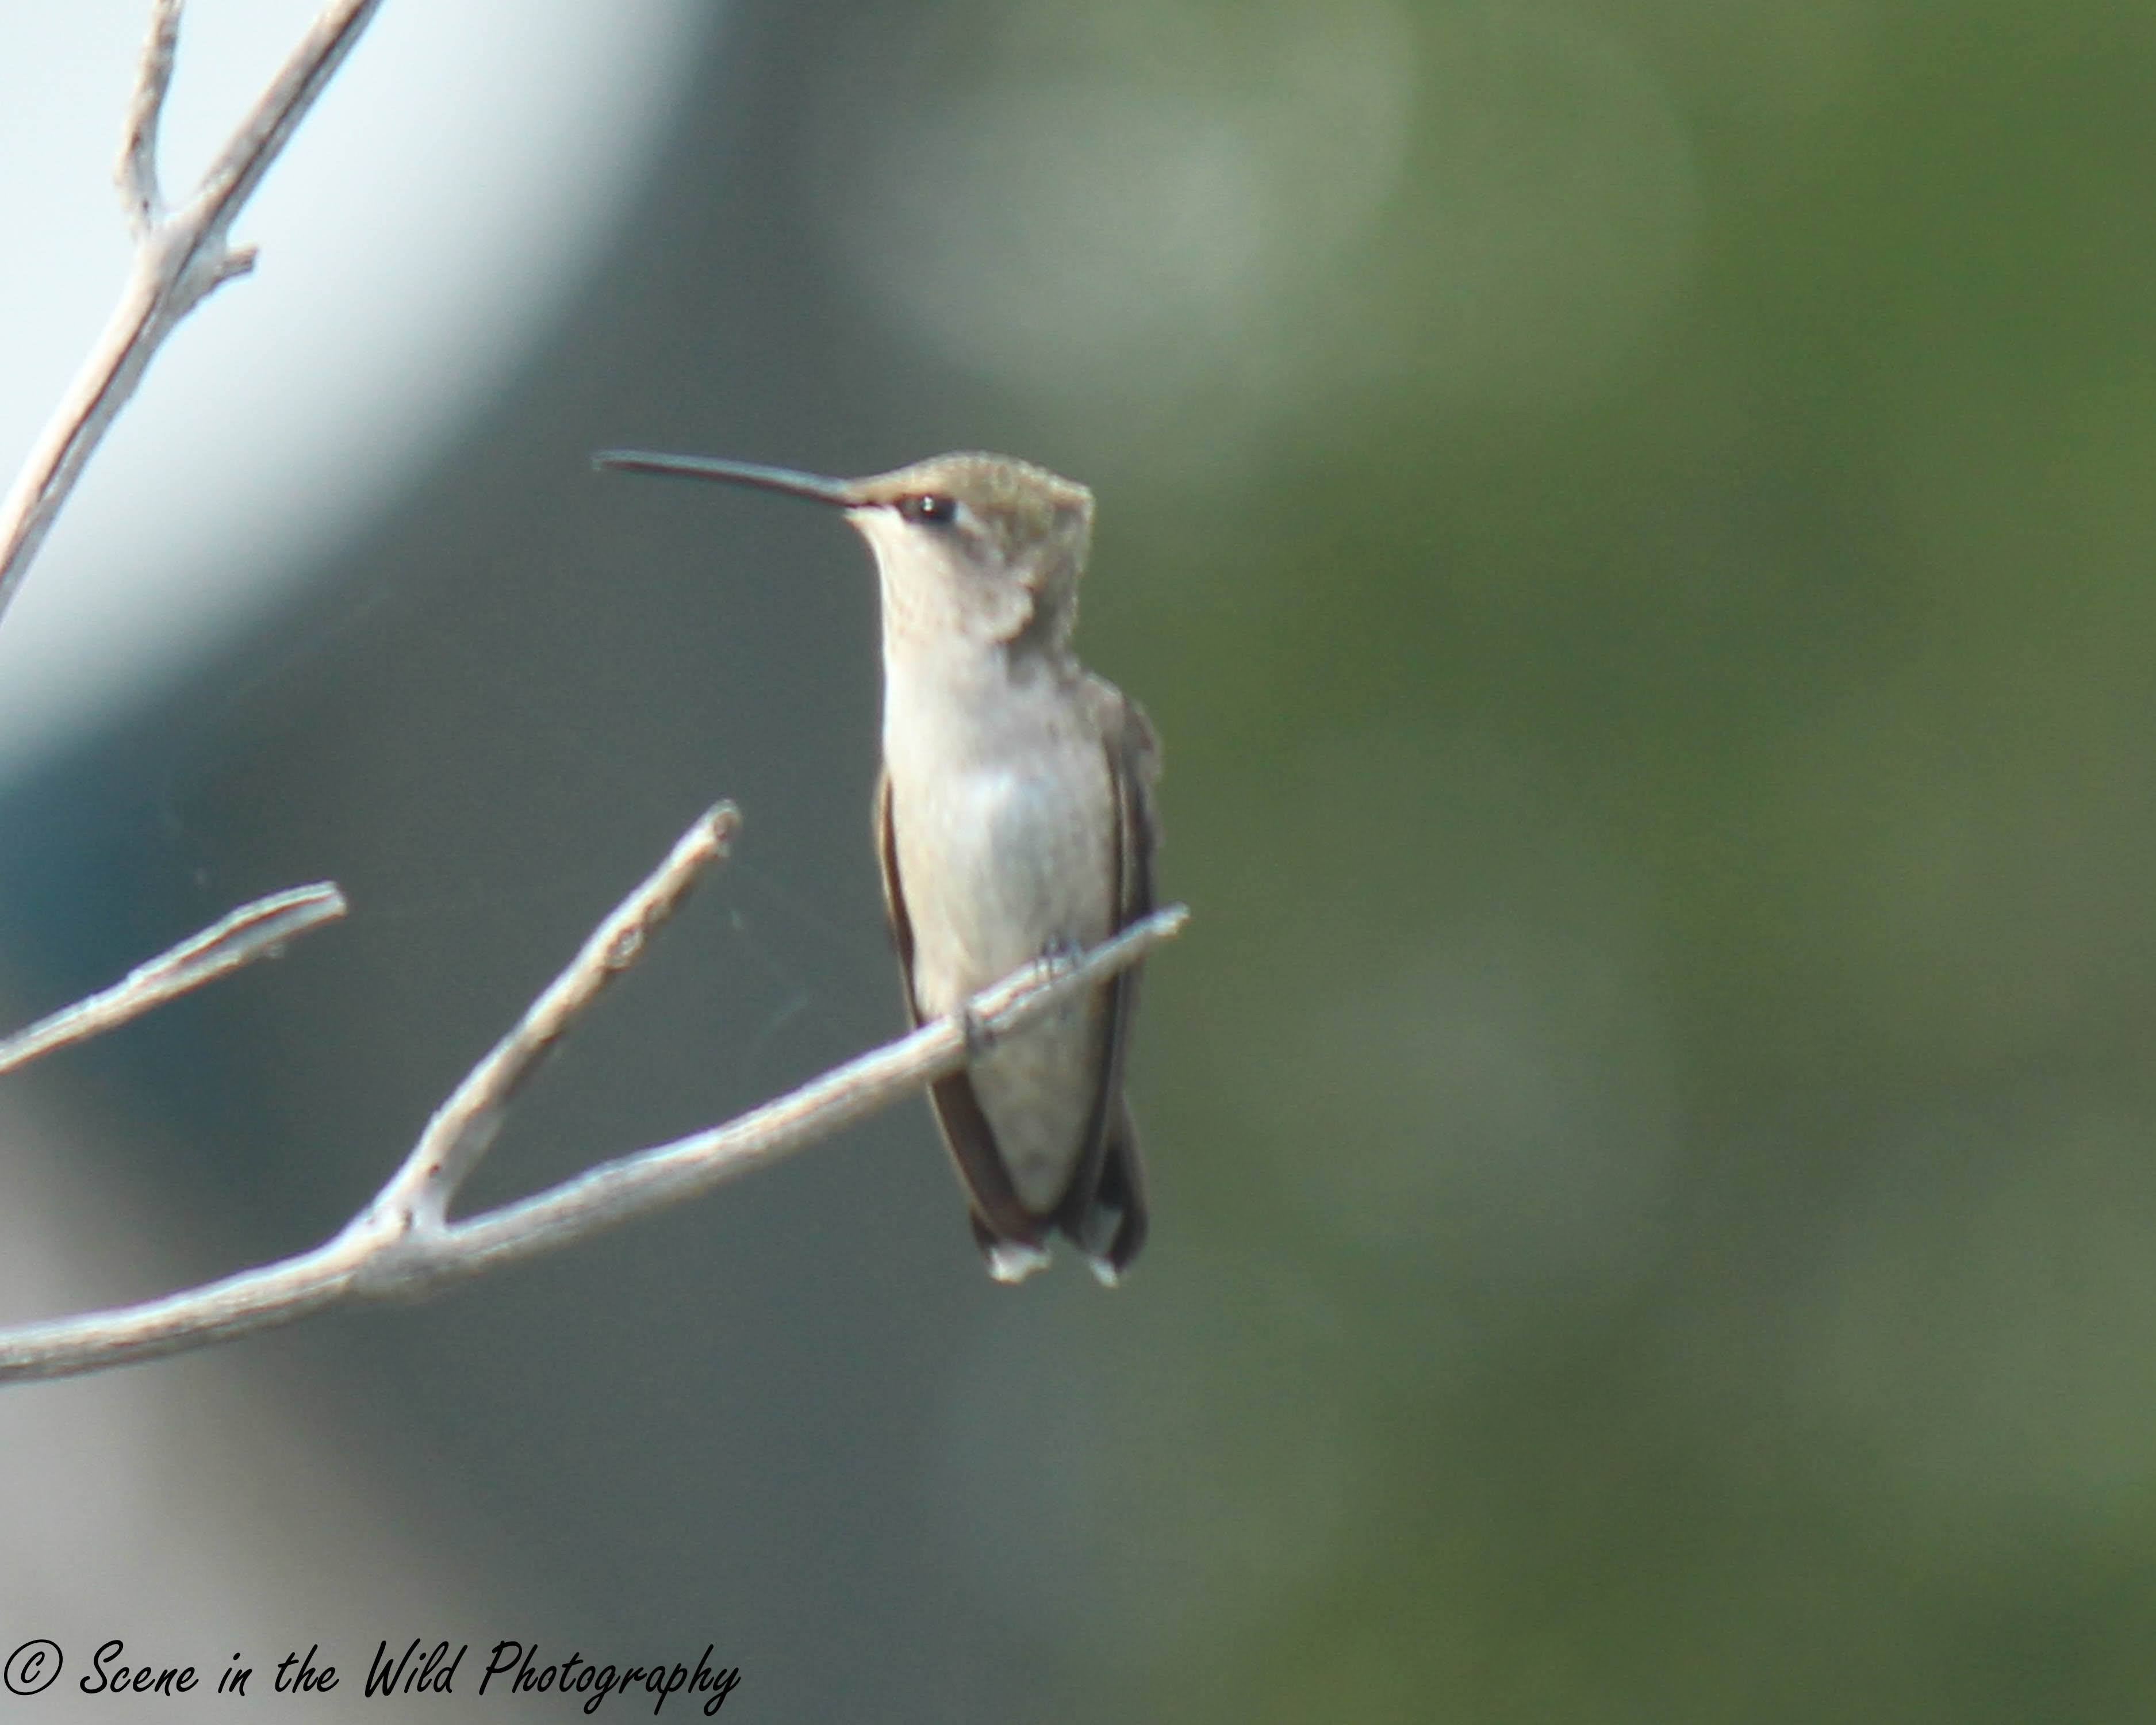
[
  {"x": 992, "y": 545},
  {"x": 985, "y": 545}
]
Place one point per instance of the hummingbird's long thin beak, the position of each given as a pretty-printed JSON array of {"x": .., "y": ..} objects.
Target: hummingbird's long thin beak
[{"x": 839, "y": 493}]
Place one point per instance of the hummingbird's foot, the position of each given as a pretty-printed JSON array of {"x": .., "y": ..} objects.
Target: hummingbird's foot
[
  {"x": 1059, "y": 949},
  {"x": 980, "y": 1040}
]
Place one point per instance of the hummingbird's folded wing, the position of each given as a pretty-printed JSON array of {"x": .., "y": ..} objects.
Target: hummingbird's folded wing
[{"x": 1104, "y": 1210}]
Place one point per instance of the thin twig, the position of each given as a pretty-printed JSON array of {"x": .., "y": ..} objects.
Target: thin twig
[
  {"x": 138, "y": 148},
  {"x": 401, "y": 1246},
  {"x": 181, "y": 256},
  {"x": 464, "y": 1127},
  {"x": 259, "y": 930}
]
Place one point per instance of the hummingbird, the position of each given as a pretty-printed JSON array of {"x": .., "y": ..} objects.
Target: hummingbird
[{"x": 1014, "y": 820}]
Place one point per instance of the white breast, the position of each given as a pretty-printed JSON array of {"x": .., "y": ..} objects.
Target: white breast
[{"x": 1002, "y": 811}]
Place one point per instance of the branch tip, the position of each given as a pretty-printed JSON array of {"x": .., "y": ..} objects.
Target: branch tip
[
  {"x": 260, "y": 929},
  {"x": 237, "y": 261},
  {"x": 136, "y": 170}
]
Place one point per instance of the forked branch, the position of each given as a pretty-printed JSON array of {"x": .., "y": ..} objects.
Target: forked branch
[
  {"x": 403, "y": 1244},
  {"x": 180, "y": 255}
]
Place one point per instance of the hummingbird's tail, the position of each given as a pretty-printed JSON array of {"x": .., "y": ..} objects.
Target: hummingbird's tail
[
  {"x": 1107, "y": 1225},
  {"x": 1111, "y": 1226}
]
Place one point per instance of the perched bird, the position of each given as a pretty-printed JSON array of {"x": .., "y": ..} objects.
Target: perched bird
[{"x": 1013, "y": 818}]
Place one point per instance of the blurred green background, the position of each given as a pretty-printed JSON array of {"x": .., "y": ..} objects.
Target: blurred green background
[{"x": 1633, "y": 521}]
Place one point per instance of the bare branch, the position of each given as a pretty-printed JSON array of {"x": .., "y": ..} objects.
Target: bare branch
[
  {"x": 401, "y": 1247},
  {"x": 180, "y": 257},
  {"x": 259, "y": 930}
]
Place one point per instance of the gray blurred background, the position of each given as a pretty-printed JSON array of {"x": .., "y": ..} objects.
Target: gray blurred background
[{"x": 1633, "y": 519}]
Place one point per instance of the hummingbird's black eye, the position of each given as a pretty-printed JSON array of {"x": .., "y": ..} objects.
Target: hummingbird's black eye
[{"x": 930, "y": 507}]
